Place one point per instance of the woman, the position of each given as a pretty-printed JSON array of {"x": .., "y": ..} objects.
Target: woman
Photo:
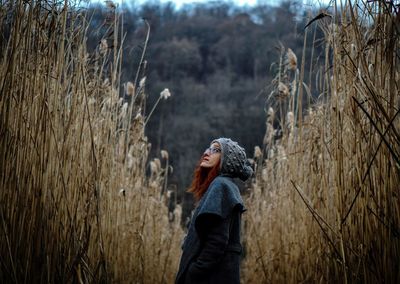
[{"x": 211, "y": 250}]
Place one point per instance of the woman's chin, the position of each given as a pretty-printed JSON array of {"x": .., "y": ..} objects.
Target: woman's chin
[{"x": 205, "y": 165}]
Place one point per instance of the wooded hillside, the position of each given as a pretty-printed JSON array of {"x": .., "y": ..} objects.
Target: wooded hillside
[{"x": 218, "y": 61}]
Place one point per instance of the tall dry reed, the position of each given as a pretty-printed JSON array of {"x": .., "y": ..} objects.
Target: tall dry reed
[
  {"x": 325, "y": 203},
  {"x": 75, "y": 202}
]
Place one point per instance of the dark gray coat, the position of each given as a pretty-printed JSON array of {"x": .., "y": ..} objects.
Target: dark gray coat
[{"x": 211, "y": 251}]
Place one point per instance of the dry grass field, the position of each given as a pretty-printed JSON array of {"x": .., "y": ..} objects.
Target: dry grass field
[
  {"x": 76, "y": 204},
  {"x": 325, "y": 203}
]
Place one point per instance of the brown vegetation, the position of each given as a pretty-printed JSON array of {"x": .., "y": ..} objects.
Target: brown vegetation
[
  {"x": 76, "y": 205},
  {"x": 325, "y": 203}
]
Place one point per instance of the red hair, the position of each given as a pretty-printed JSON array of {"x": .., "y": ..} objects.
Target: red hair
[{"x": 202, "y": 179}]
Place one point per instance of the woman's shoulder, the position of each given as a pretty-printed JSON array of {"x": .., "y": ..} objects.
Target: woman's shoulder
[
  {"x": 225, "y": 182},
  {"x": 222, "y": 194},
  {"x": 217, "y": 203}
]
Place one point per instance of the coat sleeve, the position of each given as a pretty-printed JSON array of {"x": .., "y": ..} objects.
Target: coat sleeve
[{"x": 215, "y": 237}]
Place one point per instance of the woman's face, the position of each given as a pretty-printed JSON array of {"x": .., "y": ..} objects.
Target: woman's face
[{"x": 211, "y": 156}]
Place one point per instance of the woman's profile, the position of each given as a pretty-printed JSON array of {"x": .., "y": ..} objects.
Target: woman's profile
[{"x": 211, "y": 250}]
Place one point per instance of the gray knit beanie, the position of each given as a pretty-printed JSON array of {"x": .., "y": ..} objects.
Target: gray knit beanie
[{"x": 233, "y": 159}]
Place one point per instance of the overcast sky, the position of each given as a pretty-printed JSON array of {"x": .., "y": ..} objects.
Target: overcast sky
[{"x": 179, "y": 3}]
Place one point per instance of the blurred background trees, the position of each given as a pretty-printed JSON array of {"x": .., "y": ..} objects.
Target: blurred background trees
[{"x": 217, "y": 59}]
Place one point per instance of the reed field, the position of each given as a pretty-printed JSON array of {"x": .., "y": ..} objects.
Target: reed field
[
  {"x": 76, "y": 205},
  {"x": 80, "y": 202},
  {"x": 324, "y": 207}
]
